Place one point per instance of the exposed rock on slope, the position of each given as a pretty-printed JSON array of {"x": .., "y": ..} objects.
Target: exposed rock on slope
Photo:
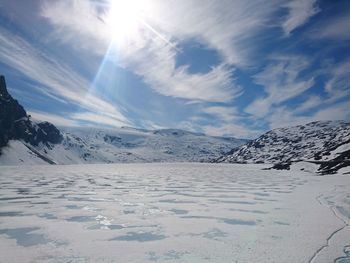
[
  {"x": 15, "y": 124},
  {"x": 324, "y": 142}
]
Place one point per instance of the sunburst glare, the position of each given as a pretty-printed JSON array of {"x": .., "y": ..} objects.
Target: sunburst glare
[{"x": 125, "y": 18}]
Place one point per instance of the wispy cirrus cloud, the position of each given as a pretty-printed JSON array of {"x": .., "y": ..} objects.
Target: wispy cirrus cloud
[
  {"x": 331, "y": 104},
  {"x": 149, "y": 56},
  {"x": 339, "y": 111},
  {"x": 336, "y": 88},
  {"x": 155, "y": 62},
  {"x": 53, "y": 118},
  {"x": 309, "y": 103},
  {"x": 56, "y": 80},
  {"x": 227, "y": 26},
  {"x": 228, "y": 121},
  {"x": 231, "y": 129},
  {"x": 299, "y": 12},
  {"x": 78, "y": 119},
  {"x": 98, "y": 118},
  {"x": 284, "y": 117},
  {"x": 333, "y": 28},
  {"x": 281, "y": 81},
  {"x": 78, "y": 23},
  {"x": 339, "y": 83}
]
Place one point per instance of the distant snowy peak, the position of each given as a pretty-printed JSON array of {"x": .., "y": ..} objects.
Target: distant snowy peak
[
  {"x": 320, "y": 142},
  {"x": 86, "y": 145},
  {"x": 136, "y": 145}
]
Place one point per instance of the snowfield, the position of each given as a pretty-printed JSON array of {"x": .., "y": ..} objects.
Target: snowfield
[{"x": 172, "y": 213}]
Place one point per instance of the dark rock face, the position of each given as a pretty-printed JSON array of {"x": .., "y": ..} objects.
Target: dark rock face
[
  {"x": 15, "y": 124},
  {"x": 49, "y": 133},
  {"x": 34, "y": 134},
  {"x": 10, "y": 111},
  {"x": 332, "y": 166}
]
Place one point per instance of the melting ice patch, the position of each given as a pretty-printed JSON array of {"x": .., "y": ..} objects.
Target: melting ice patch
[
  {"x": 24, "y": 236},
  {"x": 139, "y": 236}
]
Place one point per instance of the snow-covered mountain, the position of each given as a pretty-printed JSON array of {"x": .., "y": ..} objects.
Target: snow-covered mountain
[
  {"x": 326, "y": 143},
  {"x": 24, "y": 141},
  {"x": 122, "y": 145},
  {"x": 119, "y": 146}
]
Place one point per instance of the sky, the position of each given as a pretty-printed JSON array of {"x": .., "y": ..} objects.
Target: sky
[{"x": 223, "y": 68}]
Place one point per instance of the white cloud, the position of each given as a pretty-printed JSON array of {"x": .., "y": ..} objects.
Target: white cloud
[
  {"x": 338, "y": 85},
  {"x": 150, "y": 125},
  {"x": 310, "y": 103},
  {"x": 283, "y": 117},
  {"x": 225, "y": 114},
  {"x": 235, "y": 130},
  {"x": 77, "y": 119},
  {"x": 281, "y": 81},
  {"x": 335, "y": 29},
  {"x": 299, "y": 12},
  {"x": 155, "y": 62},
  {"x": 228, "y": 123},
  {"x": 339, "y": 111},
  {"x": 53, "y": 118},
  {"x": 260, "y": 107},
  {"x": 226, "y": 25},
  {"x": 77, "y": 22},
  {"x": 97, "y": 119}
]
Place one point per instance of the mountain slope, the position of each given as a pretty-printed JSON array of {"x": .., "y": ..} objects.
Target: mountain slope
[
  {"x": 326, "y": 143},
  {"x": 15, "y": 124}
]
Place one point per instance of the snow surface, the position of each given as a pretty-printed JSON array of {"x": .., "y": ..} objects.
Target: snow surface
[
  {"x": 17, "y": 153},
  {"x": 171, "y": 213}
]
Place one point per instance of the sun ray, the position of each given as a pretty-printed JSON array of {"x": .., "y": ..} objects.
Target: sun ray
[{"x": 126, "y": 18}]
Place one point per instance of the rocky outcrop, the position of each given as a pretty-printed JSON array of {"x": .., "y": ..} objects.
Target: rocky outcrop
[
  {"x": 15, "y": 124},
  {"x": 325, "y": 143},
  {"x": 10, "y": 112}
]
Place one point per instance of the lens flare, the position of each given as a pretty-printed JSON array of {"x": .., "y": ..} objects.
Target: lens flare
[{"x": 124, "y": 18}]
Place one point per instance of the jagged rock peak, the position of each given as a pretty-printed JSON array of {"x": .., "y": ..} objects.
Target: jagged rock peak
[
  {"x": 10, "y": 109},
  {"x": 3, "y": 89},
  {"x": 15, "y": 124}
]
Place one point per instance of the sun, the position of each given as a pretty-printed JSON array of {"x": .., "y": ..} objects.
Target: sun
[{"x": 125, "y": 18}]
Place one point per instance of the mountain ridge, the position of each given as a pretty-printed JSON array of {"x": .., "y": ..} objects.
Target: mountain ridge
[{"x": 24, "y": 141}]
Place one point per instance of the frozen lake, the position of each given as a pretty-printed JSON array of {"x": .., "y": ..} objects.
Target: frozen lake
[{"x": 172, "y": 213}]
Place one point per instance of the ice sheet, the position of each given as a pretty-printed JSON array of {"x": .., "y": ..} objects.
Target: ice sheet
[{"x": 171, "y": 213}]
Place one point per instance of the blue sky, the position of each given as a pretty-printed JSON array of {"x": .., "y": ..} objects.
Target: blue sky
[{"x": 232, "y": 68}]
